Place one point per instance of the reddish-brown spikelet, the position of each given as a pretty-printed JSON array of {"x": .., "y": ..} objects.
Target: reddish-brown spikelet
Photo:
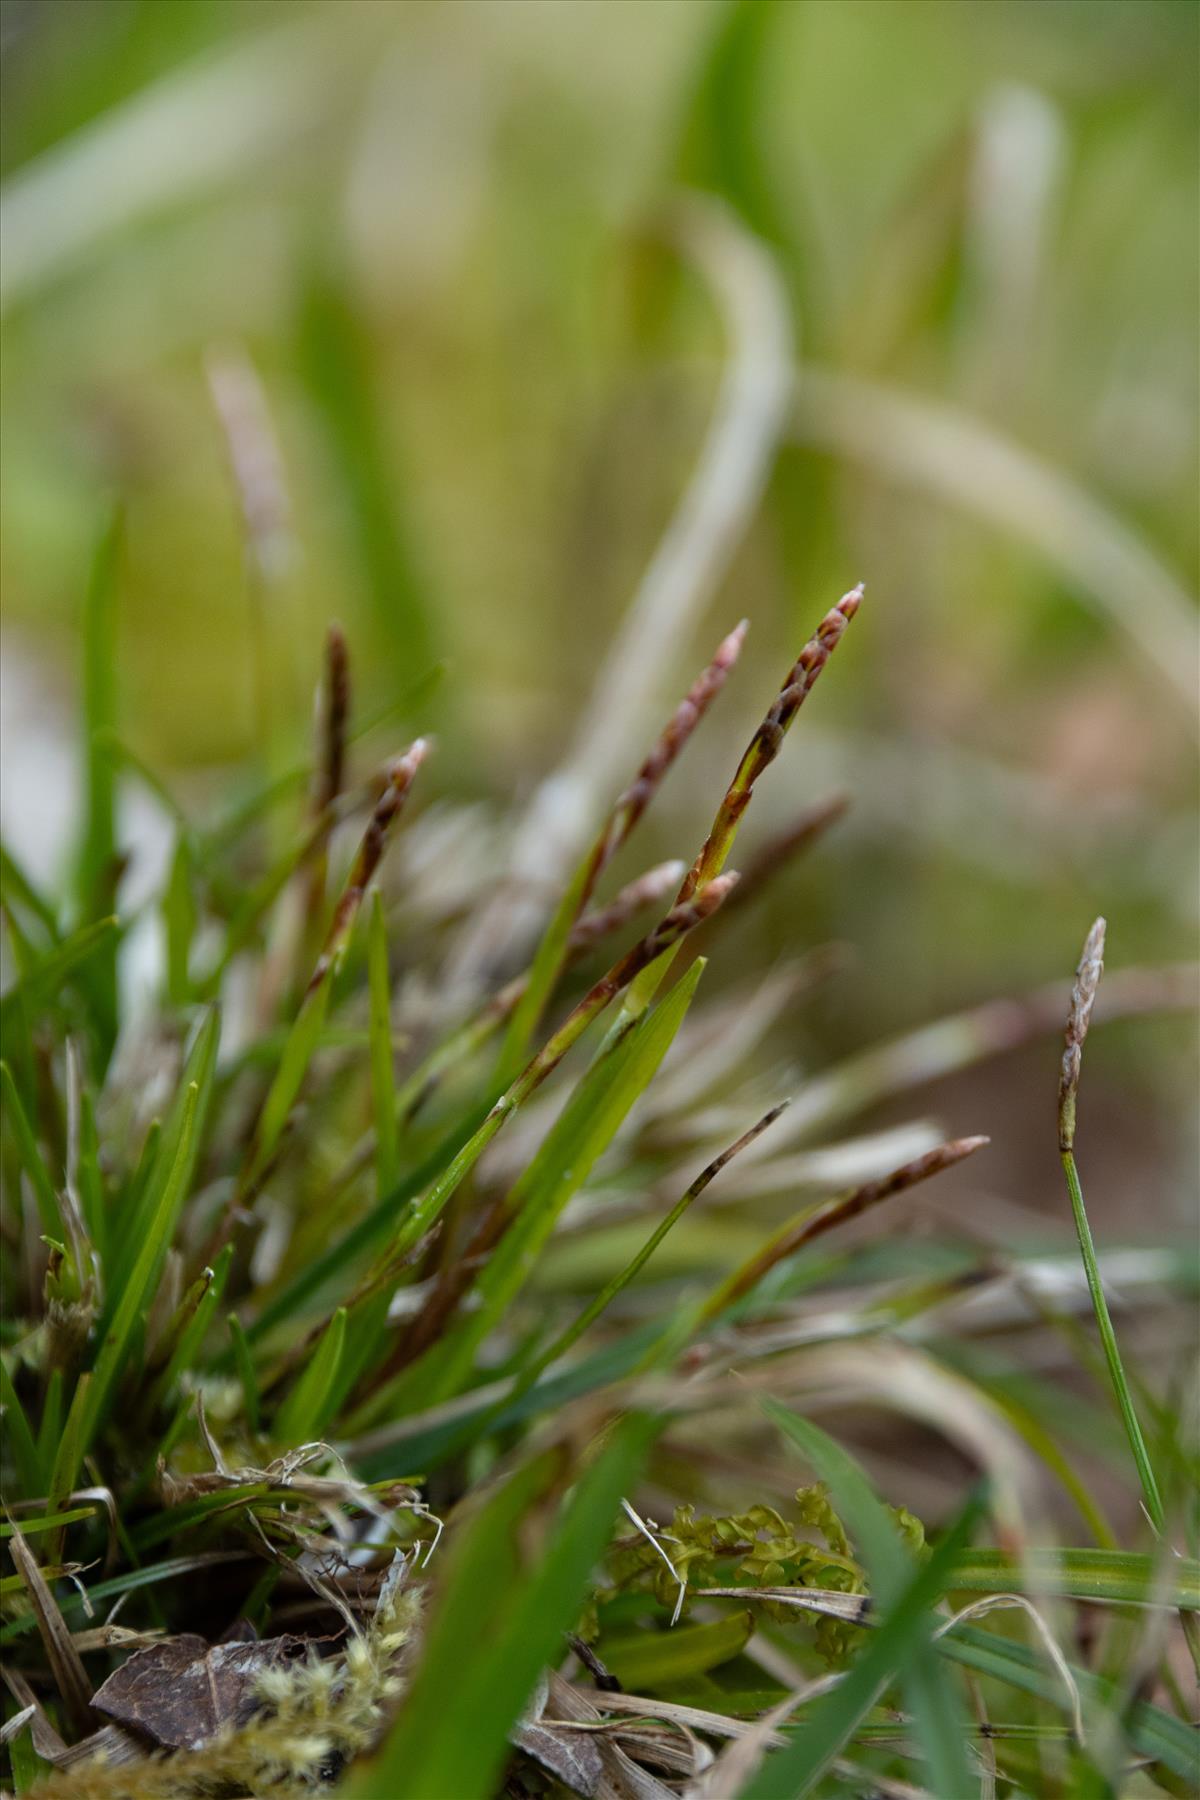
[
  {"x": 688, "y": 714},
  {"x": 644, "y": 890},
  {"x": 683, "y": 917},
  {"x": 1079, "y": 1017},
  {"x": 765, "y": 745},
  {"x": 400, "y": 776},
  {"x": 335, "y": 709},
  {"x": 823, "y": 1218}
]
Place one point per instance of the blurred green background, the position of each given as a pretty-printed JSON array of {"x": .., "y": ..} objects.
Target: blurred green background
[{"x": 439, "y": 243}]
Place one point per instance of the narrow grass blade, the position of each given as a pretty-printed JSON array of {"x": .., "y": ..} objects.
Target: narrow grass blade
[
  {"x": 65, "y": 1662},
  {"x": 309, "y": 1022},
  {"x": 70, "y": 1448},
  {"x": 16, "y": 888},
  {"x": 1083, "y": 997},
  {"x": 592, "y": 1311},
  {"x": 1152, "y": 1732},
  {"x": 245, "y": 1369},
  {"x": 648, "y": 1660},
  {"x": 41, "y": 984},
  {"x": 304, "y": 1413},
  {"x": 180, "y": 920},
  {"x": 588, "y": 1123},
  {"x": 554, "y": 950},
  {"x": 195, "y": 1316},
  {"x": 488, "y": 1656},
  {"x": 19, "y": 1436},
  {"x": 28, "y": 1768},
  {"x": 368, "y": 1235},
  {"x": 817, "y": 1220},
  {"x": 50, "y": 1429},
  {"x": 548, "y": 964},
  {"x": 97, "y": 871},
  {"x": 677, "y": 923},
  {"x": 137, "y": 1289},
  {"x": 933, "y": 1701},
  {"x": 833, "y": 1721},
  {"x": 383, "y": 1070},
  {"x": 336, "y": 368},
  {"x": 199, "y": 1072},
  {"x": 30, "y": 1158},
  {"x": 1114, "y": 1577},
  {"x": 50, "y": 1522}
]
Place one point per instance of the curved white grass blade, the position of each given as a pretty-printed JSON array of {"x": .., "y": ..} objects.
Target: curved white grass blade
[
  {"x": 186, "y": 133},
  {"x": 935, "y": 448},
  {"x": 692, "y": 557}
]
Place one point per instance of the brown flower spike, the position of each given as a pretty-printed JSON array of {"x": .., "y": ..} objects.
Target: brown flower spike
[{"x": 1083, "y": 998}]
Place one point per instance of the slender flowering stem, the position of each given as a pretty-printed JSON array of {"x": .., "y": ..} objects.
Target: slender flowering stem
[
  {"x": 798, "y": 1232},
  {"x": 554, "y": 951},
  {"x": 333, "y": 708},
  {"x": 306, "y": 1027},
  {"x": 759, "y": 754},
  {"x": 1079, "y": 1015},
  {"x": 609, "y": 1292},
  {"x": 767, "y": 741},
  {"x": 400, "y": 776},
  {"x": 680, "y": 920}
]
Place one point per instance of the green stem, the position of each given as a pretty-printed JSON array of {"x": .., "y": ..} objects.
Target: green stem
[{"x": 1112, "y": 1354}]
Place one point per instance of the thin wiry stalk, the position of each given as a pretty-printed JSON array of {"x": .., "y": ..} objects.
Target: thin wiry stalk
[
  {"x": 767, "y": 741},
  {"x": 400, "y": 776},
  {"x": 690, "y": 560},
  {"x": 630, "y": 805},
  {"x": 1079, "y": 1015},
  {"x": 333, "y": 709},
  {"x": 798, "y": 1232},
  {"x": 678, "y": 922},
  {"x": 609, "y": 1292}
]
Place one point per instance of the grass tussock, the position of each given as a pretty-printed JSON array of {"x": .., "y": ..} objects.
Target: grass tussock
[{"x": 317, "y": 1476}]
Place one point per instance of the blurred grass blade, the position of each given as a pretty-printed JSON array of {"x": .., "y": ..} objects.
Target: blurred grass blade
[
  {"x": 335, "y": 364},
  {"x": 833, "y": 1721},
  {"x": 41, "y": 984},
  {"x": 932, "y": 1699},
  {"x": 304, "y": 1413},
  {"x": 383, "y": 1070},
  {"x": 70, "y": 1447},
  {"x": 196, "y": 1315},
  {"x": 137, "y": 1289},
  {"x": 598, "y": 1106},
  {"x": 245, "y": 1369},
  {"x": 1114, "y": 1577},
  {"x": 487, "y": 1657},
  {"x": 18, "y": 1435},
  {"x": 179, "y": 920},
  {"x": 199, "y": 1072},
  {"x": 1079, "y": 1015},
  {"x": 97, "y": 870},
  {"x": 1152, "y": 1732},
  {"x": 649, "y": 1660},
  {"x": 31, "y": 1158},
  {"x": 17, "y": 888}
]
